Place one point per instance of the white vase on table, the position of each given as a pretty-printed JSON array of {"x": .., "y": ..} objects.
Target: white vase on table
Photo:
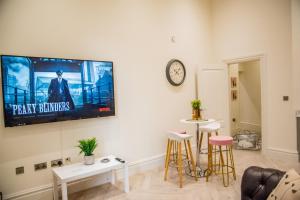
[{"x": 89, "y": 160}]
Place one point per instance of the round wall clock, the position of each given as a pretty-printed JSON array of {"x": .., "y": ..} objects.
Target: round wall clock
[{"x": 175, "y": 72}]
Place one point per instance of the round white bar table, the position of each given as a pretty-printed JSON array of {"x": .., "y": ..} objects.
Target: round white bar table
[{"x": 198, "y": 123}]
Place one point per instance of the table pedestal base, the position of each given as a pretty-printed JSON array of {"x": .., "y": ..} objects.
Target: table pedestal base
[{"x": 200, "y": 172}]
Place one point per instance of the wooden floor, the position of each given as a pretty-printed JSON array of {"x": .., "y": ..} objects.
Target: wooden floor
[{"x": 151, "y": 186}]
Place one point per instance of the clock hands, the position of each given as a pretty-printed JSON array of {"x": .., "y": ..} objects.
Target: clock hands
[{"x": 177, "y": 71}]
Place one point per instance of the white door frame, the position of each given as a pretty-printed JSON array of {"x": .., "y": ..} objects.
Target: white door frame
[{"x": 264, "y": 89}]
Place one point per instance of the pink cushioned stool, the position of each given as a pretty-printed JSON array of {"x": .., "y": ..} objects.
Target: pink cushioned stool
[
  {"x": 220, "y": 140},
  {"x": 226, "y": 143}
]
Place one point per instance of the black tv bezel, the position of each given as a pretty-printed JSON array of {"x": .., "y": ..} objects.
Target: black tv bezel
[{"x": 3, "y": 99}]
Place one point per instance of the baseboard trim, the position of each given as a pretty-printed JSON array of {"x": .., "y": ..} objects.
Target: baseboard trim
[
  {"x": 250, "y": 124},
  {"x": 27, "y": 192},
  {"x": 283, "y": 153},
  {"x": 140, "y": 164},
  {"x": 147, "y": 160}
]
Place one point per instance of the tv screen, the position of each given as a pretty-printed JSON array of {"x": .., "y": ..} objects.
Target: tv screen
[{"x": 40, "y": 90}]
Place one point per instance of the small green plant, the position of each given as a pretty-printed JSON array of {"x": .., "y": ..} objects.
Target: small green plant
[
  {"x": 87, "y": 146},
  {"x": 196, "y": 104}
]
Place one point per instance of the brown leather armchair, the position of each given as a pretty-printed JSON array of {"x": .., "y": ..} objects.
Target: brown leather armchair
[{"x": 258, "y": 183}]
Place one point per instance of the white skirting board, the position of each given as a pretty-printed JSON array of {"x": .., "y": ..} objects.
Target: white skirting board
[{"x": 282, "y": 153}]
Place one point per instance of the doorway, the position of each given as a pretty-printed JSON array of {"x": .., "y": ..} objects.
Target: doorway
[{"x": 245, "y": 99}]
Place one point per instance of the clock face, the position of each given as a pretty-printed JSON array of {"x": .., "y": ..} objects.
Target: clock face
[{"x": 175, "y": 72}]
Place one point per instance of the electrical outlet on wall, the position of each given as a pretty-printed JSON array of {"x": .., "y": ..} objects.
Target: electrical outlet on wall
[
  {"x": 19, "y": 170},
  {"x": 57, "y": 163},
  {"x": 40, "y": 166}
]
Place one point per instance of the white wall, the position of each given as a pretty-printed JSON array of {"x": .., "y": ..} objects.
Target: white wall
[
  {"x": 295, "y": 15},
  {"x": 135, "y": 35},
  {"x": 250, "y": 95},
  {"x": 245, "y": 28}
]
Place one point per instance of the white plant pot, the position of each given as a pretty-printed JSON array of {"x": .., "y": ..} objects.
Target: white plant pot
[{"x": 89, "y": 160}]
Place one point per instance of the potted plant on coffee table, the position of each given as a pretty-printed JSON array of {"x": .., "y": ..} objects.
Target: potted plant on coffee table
[
  {"x": 196, "y": 104},
  {"x": 87, "y": 147}
]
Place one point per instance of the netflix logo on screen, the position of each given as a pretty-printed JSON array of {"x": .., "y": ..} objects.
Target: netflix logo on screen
[{"x": 104, "y": 109}]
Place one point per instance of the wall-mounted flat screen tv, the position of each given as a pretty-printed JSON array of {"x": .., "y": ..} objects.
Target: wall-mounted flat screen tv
[{"x": 41, "y": 90}]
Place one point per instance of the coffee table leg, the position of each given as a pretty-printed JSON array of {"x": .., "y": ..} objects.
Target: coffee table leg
[
  {"x": 64, "y": 191},
  {"x": 55, "y": 189},
  {"x": 113, "y": 177},
  {"x": 126, "y": 180}
]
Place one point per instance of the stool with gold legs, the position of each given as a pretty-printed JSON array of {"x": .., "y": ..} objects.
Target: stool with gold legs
[
  {"x": 209, "y": 129},
  {"x": 224, "y": 145},
  {"x": 174, "y": 153}
]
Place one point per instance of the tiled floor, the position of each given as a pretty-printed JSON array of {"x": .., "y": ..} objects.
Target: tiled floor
[{"x": 151, "y": 186}]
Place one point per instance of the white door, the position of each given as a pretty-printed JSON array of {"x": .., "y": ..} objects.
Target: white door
[{"x": 213, "y": 92}]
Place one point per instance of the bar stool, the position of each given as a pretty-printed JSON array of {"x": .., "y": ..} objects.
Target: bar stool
[
  {"x": 174, "y": 149},
  {"x": 222, "y": 141},
  {"x": 209, "y": 129}
]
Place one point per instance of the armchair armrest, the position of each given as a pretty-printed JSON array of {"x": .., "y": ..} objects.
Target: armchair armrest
[{"x": 258, "y": 183}]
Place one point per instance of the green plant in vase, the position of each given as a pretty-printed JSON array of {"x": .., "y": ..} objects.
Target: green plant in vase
[
  {"x": 87, "y": 147},
  {"x": 196, "y": 105}
]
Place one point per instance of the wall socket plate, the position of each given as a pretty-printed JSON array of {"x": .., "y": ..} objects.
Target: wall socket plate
[
  {"x": 40, "y": 166},
  {"x": 57, "y": 163},
  {"x": 20, "y": 170},
  {"x": 285, "y": 98}
]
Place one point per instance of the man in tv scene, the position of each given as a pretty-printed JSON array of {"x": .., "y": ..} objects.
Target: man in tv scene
[{"x": 58, "y": 90}]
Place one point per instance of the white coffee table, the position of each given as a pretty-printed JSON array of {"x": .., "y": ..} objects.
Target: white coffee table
[{"x": 78, "y": 171}]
